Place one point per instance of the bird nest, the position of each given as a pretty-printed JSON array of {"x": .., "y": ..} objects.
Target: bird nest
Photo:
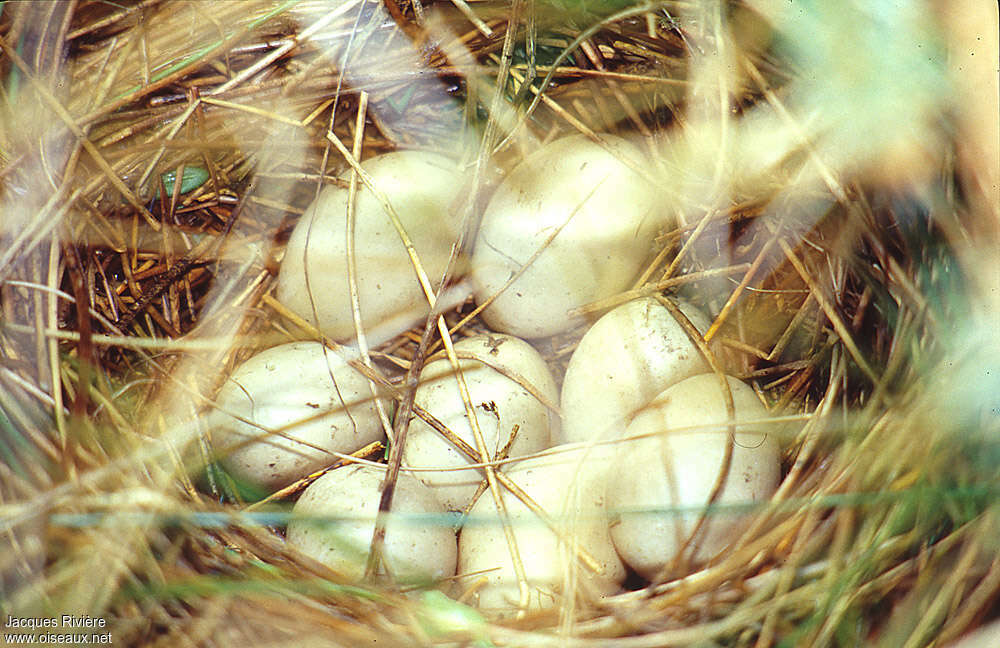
[{"x": 820, "y": 171}]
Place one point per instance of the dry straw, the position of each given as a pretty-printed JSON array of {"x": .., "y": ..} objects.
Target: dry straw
[{"x": 832, "y": 168}]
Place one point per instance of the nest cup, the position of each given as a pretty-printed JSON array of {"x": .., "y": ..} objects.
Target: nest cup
[{"x": 819, "y": 188}]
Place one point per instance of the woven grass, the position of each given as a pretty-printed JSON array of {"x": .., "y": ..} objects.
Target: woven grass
[{"x": 833, "y": 217}]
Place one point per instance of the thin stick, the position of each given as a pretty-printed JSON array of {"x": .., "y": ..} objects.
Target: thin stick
[
  {"x": 372, "y": 448},
  {"x": 975, "y": 602},
  {"x": 831, "y": 313},
  {"x": 400, "y": 431},
  {"x": 659, "y": 286},
  {"x": 727, "y": 395},
  {"x": 491, "y": 474},
  {"x": 292, "y": 42},
  {"x": 689, "y": 243},
  {"x": 352, "y": 265},
  {"x": 467, "y": 11},
  {"x": 52, "y": 280},
  {"x": 513, "y": 375},
  {"x": 411, "y": 251},
  {"x": 786, "y": 335},
  {"x": 747, "y": 278}
]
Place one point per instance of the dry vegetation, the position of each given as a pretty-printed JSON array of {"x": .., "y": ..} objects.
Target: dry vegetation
[{"x": 834, "y": 218}]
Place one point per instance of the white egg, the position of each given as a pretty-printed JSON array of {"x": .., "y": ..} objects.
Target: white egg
[
  {"x": 608, "y": 215},
  {"x": 672, "y": 472},
  {"x": 568, "y": 484},
  {"x": 502, "y": 404},
  {"x": 313, "y": 280},
  {"x": 624, "y": 360},
  {"x": 285, "y": 410},
  {"x": 334, "y": 520}
]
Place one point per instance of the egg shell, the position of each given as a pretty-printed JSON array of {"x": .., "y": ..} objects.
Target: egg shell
[
  {"x": 679, "y": 469},
  {"x": 500, "y": 403},
  {"x": 420, "y": 186},
  {"x": 623, "y": 361},
  {"x": 300, "y": 402},
  {"x": 608, "y": 215},
  {"x": 568, "y": 483},
  {"x": 334, "y": 520}
]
